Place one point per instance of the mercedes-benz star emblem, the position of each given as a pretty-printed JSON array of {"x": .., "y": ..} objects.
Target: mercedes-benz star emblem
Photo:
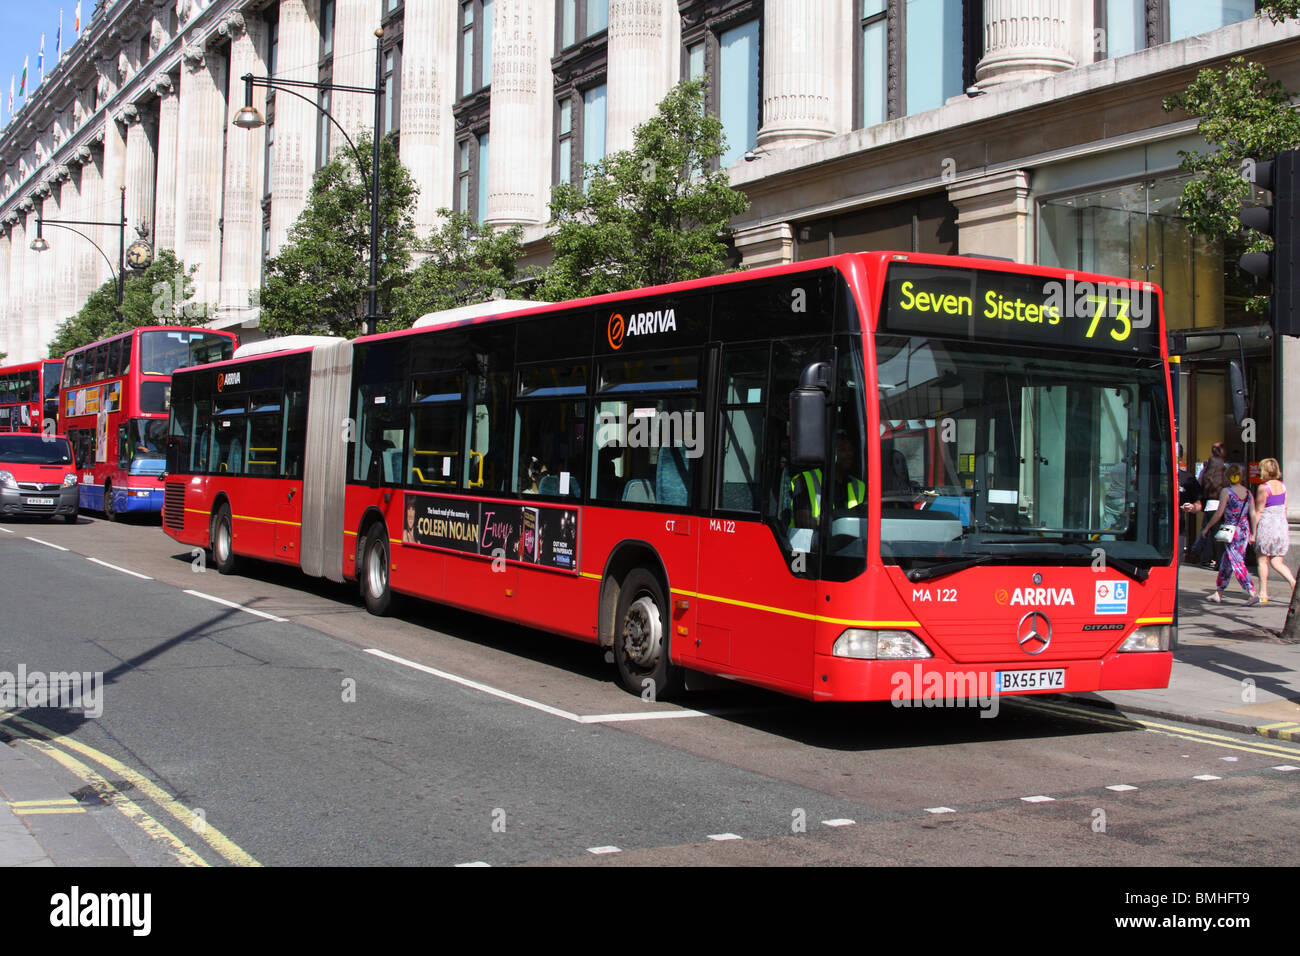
[{"x": 1034, "y": 629}]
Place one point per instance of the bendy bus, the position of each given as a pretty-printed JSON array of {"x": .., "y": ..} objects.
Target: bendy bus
[{"x": 820, "y": 478}]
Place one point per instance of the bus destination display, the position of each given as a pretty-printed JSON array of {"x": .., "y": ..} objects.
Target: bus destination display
[{"x": 1022, "y": 309}]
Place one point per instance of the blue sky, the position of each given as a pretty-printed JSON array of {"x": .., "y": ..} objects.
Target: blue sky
[{"x": 21, "y": 25}]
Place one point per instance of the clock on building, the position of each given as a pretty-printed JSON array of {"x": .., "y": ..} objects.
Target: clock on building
[{"x": 139, "y": 255}]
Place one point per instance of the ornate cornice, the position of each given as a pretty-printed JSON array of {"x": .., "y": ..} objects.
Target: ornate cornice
[{"x": 193, "y": 57}]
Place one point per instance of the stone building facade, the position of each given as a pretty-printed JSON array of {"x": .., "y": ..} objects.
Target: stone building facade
[{"x": 1029, "y": 129}]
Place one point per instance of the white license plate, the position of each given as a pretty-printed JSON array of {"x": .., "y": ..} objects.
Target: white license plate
[
  {"x": 41, "y": 501},
  {"x": 1011, "y": 681}
]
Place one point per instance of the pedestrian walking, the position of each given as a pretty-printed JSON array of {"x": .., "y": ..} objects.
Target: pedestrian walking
[
  {"x": 1272, "y": 534},
  {"x": 1236, "y": 516},
  {"x": 1213, "y": 479},
  {"x": 1189, "y": 503}
]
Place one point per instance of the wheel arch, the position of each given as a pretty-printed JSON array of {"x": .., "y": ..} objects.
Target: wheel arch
[
  {"x": 369, "y": 518},
  {"x": 623, "y": 557}
]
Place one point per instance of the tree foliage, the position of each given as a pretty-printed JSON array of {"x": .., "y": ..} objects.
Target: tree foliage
[
  {"x": 1280, "y": 10},
  {"x": 466, "y": 263},
  {"x": 317, "y": 284},
  {"x": 656, "y": 213},
  {"x": 164, "y": 294}
]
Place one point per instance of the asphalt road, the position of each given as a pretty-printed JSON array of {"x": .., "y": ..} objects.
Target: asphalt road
[{"x": 315, "y": 734}]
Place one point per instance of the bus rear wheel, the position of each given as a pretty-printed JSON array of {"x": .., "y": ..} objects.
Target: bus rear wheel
[
  {"x": 222, "y": 538},
  {"x": 110, "y": 513},
  {"x": 374, "y": 572},
  {"x": 641, "y": 639}
]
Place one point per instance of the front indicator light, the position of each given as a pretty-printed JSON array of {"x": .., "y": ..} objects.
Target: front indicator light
[
  {"x": 1149, "y": 638},
  {"x": 863, "y": 644},
  {"x": 69, "y": 481}
]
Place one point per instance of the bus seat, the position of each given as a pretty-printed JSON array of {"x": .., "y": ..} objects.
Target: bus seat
[
  {"x": 639, "y": 489},
  {"x": 550, "y": 485},
  {"x": 739, "y": 496},
  {"x": 392, "y": 465},
  {"x": 672, "y": 478}
]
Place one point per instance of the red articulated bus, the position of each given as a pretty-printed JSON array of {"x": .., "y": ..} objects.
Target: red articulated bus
[
  {"x": 29, "y": 396},
  {"x": 859, "y": 478},
  {"x": 114, "y": 403}
]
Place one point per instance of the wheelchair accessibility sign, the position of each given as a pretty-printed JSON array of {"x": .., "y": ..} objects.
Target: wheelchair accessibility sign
[{"x": 1111, "y": 597}]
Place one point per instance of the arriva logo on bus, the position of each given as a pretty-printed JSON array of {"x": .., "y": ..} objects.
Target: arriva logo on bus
[
  {"x": 640, "y": 323},
  {"x": 1034, "y": 596},
  {"x": 230, "y": 378}
]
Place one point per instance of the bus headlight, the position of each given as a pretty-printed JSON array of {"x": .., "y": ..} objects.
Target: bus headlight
[
  {"x": 874, "y": 645},
  {"x": 69, "y": 481},
  {"x": 7, "y": 480},
  {"x": 1149, "y": 637}
]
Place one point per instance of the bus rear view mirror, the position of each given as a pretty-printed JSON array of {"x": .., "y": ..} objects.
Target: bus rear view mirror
[
  {"x": 1237, "y": 385},
  {"x": 809, "y": 431}
]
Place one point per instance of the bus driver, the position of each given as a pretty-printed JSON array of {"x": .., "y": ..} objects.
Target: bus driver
[{"x": 848, "y": 493}]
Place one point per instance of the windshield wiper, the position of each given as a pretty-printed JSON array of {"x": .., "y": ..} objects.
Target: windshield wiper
[
  {"x": 1122, "y": 565},
  {"x": 952, "y": 567}
]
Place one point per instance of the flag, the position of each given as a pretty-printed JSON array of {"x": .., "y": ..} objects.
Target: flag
[
  {"x": 77, "y": 18},
  {"x": 40, "y": 60},
  {"x": 11, "y": 96},
  {"x": 22, "y": 87},
  {"x": 58, "y": 40}
]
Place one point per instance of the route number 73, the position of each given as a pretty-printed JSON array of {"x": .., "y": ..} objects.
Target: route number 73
[{"x": 1119, "y": 312}]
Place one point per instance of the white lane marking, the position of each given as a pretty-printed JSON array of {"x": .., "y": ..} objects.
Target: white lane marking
[
  {"x": 1206, "y": 776},
  {"x": 1121, "y": 787},
  {"x": 840, "y": 822},
  {"x": 475, "y": 863},
  {"x": 946, "y": 809},
  {"x": 1229, "y": 759},
  {"x": 46, "y": 543},
  {"x": 598, "y": 850},
  {"x": 6, "y": 530},
  {"x": 1038, "y": 799},
  {"x": 526, "y": 702},
  {"x": 135, "y": 574},
  {"x": 1286, "y": 768},
  {"x": 724, "y": 836},
  {"x": 238, "y": 607}
]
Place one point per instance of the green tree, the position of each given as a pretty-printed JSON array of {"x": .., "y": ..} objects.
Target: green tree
[
  {"x": 318, "y": 283},
  {"x": 164, "y": 294},
  {"x": 467, "y": 263},
  {"x": 656, "y": 213}
]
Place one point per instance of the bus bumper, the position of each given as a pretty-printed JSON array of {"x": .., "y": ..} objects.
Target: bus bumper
[
  {"x": 135, "y": 499},
  {"x": 936, "y": 682}
]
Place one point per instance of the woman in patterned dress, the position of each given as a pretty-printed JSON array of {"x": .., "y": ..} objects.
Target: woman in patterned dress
[
  {"x": 1272, "y": 535},
  {"x": 1236, "y": 510}
]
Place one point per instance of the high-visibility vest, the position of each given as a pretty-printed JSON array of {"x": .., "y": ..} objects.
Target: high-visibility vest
[{"x": 857, "y": 491}]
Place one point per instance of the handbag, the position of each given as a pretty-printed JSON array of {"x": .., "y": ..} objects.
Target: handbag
[{"x": 1226, "y": 534}]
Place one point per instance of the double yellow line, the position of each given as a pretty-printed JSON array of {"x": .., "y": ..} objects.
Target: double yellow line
[{"x": 72, "y": 755}]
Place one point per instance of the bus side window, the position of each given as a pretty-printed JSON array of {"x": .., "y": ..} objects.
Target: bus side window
[{"x": 743, "y": 411}]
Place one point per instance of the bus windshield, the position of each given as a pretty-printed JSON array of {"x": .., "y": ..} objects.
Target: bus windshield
[
  {"x": 163, "y": 352},
  {"x": 148, "y": 437},
  {"x": 1020, "y": 454}
]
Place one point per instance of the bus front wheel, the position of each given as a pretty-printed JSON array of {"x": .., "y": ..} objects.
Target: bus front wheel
[
  {"x": 223, "y": 541},
  {"x": 110, "y": 513},
  {"x": 641, "y": 639},
  {"x": 374, "y": 572}
]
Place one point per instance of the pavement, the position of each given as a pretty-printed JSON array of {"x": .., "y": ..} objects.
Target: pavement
[{"x": 1231, "y": 671}]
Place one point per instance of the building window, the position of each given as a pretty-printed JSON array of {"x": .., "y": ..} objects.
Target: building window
[
  {"x": 475, "y": 70},
  {"x": 721, "y": 43},
  {"x": 273, "y": 47},
  {"x": 326, "y": 28},
  {"x": 1130, "y": 25},
  {"x": 913, "y": 55},
  {"x": 392, "y": 89},
  {"x": 578, "y": 19},
  {"x": 472, "y": 175},
  {"x": 270, "y": 152},
  {"x": 579, "y": 132},
  {"x": 323, "y": 130}
]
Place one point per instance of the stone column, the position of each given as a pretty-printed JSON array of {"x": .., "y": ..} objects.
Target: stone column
[
  {"x": 1024, "y": 40},
  {"x": 110, "y": 197},
  {"x": 242, "y": 235},
  {"x": 164, "y": 225},
  {"x": 14, "y": 340},
  {"x": 293, "y": 162},
  {"x": 30, "y": 265},
  {"x": 428, "y": 132},
  {"x": 519, "y": 162},
  {"x": 46, "y": 266},
  {"x": 202, "y": 116},
  {"x": 65, "y": 291},
  {"x": 6, "y": 335},
  {"x": 644, "y": 38},
  {"x": 760, "y": 246},
  {"x": 993, "y": 214},
  {"x": 355, "y": 22},
  {"x": 140, "y": 172},
  {"x": 799, "y": 71},
  {"x": 91, "y": 270}
]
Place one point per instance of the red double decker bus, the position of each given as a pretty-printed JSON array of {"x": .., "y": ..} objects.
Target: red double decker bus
[
  {"x": 29, "y": 396},
  {"x": 114, "y": 403},
  {"x": 875, "y": 476}
]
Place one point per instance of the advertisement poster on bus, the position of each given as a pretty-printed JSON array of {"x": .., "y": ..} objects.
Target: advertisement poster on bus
[
  {"x": 532, "y": 535},
  {"x": 101, "y": 436}
]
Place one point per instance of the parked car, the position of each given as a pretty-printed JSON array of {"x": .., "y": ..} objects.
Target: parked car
[{"x": 38, "y": 476}]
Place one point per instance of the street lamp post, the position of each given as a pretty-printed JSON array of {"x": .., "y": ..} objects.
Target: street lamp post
[
  {"x": 39, "y": 244},
  {"x": 249, "y": 118}
]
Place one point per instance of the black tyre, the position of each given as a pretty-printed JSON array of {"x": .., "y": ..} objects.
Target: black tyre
[
  {"x": 374, "y": 572},
  {"x": 71, "y": 519},
  {"x": 110, "y": 513},
  {"x": 222, "y": 541},
  {"x": 642, "y": 633}
]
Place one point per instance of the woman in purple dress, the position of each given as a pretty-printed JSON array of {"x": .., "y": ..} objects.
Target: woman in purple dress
[
  {"x": 1272, "y": 536},
  {"x": 1237, "y": 511}
]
